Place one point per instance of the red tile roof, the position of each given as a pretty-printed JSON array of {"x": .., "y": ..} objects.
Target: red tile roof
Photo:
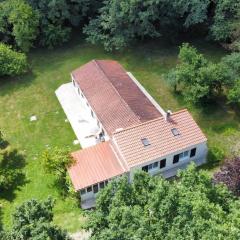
[
  {"x": 115, "y": 98},
  {"x": 93, "y": 165},
  {"x": 159, "y": 134}
]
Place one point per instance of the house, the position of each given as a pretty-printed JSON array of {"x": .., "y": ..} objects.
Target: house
[{"x": 133, "y": 131}]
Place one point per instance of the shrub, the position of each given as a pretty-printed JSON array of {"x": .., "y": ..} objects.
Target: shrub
[
  {"x": 11, "y": 63},
  {"x": 215, "y": 155},
  {"x": 229, "y": 175}
]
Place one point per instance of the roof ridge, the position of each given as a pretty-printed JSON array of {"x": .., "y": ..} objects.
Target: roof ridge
[
  {"x": 148, "y": 122},
  {"x": 96, "y": 62}
]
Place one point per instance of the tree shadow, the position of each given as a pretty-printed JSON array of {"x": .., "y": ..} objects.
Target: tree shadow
[
  {"x": 61, "y": 187},
  {"x": 11, "y": 168},
  {"x": 10, "y": 84}
]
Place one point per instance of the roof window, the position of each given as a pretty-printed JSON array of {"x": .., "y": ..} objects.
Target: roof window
[
  {"x": 145, "y": 142},
  {"x": 175, "y": 132}
]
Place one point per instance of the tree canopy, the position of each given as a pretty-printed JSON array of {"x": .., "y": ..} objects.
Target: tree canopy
[
  {"x": 120, "y": 22},
  {"x": 226, "y": 23},
  {"x": 18, "y": 23},
  {"x": 200, "y": 80},
  {"x": 190, "y": 207},
  {"x": 33, "y": 220}
]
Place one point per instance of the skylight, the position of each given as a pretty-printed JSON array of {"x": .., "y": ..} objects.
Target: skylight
[
  {"x": 145, "y": 142},
  {"x": 175, "y": 132}
]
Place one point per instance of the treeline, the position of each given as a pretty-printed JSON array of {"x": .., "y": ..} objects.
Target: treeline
[{"x": 114, "y": 24}]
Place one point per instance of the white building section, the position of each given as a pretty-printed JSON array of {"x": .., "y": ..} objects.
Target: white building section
[{"x": 83, "y": 124}]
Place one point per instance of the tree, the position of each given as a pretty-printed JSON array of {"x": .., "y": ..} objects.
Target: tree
[
  {"x": 232, "y": 64},
  {"x": 226, "y": 23},
  {"x": 229, "y": 175},
  {"x": 11, "y": 62},
  {"x": 121, "y": 22},
  {"x": 56, "y": 161},
  {"x": 33, "y": 220},
  {"x": 58, "y": 17},
  {"x": 18, "y": 21},
  {"x": 190, "y": 207},
  {"x": 198, "y": 79}
]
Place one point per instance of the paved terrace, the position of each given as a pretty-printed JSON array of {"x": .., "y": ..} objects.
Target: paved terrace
[{"x": 79, "y": 116}]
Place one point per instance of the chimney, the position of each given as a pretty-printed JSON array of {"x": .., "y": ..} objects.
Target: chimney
[{"x": 168, "y": 114}]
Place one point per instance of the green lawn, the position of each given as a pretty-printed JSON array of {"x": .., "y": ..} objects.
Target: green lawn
[{"x": 34, "y": 94}]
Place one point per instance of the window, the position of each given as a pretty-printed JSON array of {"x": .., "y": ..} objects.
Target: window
[
  {"x": 163, "y": 163},
  {"x": 175, "y": 132},
  {"x": 193, "y": 152},
  {"x": 145, "y": 142},
  {"x": 95, "y": 188},
  {"x": 145, "y": 168},
  {"x": 155, "y": 165},
  {"x": 83, "y": 191},
  {"x": 176, "y": 159},
  {"x": 150, "y": 166},
  {"x": 89, "y": 189},
  {"x": 183, "y": 155},
  {"x": 101, "y": 185},
  {"x": 92, "y": 113},
  {"x": 78, "y": 91},
  {"x": 82, "y": 95},
  {"x": 106, "y": 182}
]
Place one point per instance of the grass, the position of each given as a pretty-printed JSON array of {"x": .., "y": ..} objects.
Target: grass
[{"x": 33, "y": 94}]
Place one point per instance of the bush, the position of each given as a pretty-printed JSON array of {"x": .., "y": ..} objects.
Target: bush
[
  {"x": 11, "y": 63},
  {"x": 229, "y": 175},
  {"x": 215, "y": 155}
]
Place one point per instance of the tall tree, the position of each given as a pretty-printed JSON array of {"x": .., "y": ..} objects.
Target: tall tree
[
  {"x": 190, "y": 207},
  {"x": 33, "y": 220},
  {"x": 121, "y": 22},
  {"x": 197, "y": 78},
  {"x": 18, "y": 22},
  {"x": 226, "y": 23},
  {"x": 58, "y": 17}
]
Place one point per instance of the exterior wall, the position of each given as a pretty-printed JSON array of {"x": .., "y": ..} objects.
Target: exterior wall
[
  {"x": 171, "y": 169},
  {"x": 88, "y": 198}
]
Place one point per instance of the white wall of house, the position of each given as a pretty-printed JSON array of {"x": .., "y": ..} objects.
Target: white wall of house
[{"x": 171, "y": 169}]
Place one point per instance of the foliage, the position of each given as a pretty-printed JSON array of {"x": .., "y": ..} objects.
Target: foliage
[
  {"x": 197, "y": 78},
  {"x": 11, "y": 164},
  {"x": 232, "y": 63},
  {"x": 121, "y": 22},
  {"x": 229, "y": 175},
  {"x": 19, "y": 21},
  {"x": 55, "y": 161},
  {"x": 226, "y": 23},
  {"x": 11, "y": 62},
  {"x": 58, "y": 17},
  {"x": 190, "y": 207},
  {"x": 215, "y": 155},
  {"x": 33, "y": 220}
]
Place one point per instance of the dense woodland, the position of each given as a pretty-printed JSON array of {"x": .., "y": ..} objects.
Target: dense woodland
[
  {"x": 25, "y": 24},
  {"x": 194, "y": 205}
]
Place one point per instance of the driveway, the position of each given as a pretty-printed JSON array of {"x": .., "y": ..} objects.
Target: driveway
[{"x": 78, "y": 114}]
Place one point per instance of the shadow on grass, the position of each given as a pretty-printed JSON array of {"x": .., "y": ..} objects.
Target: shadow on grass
[
  {"x": 11, "y": 168},
  {"x": 61, "y": 187},
  {"x": 10, "y": 84}
]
